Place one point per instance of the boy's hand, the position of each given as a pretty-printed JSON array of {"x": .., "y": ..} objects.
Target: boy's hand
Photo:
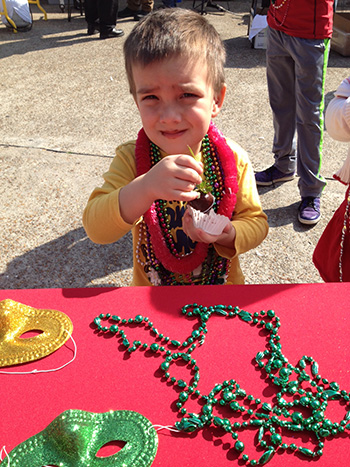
[
  {"x": 174, "y": 178},
  {"x": 226, "y": 238}
]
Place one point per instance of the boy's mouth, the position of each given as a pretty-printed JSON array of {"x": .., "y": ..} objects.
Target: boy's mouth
[{"x": 173, "y": 134}]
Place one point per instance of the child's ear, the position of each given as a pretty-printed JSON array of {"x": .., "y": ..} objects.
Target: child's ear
[{"x": 218, "y": 101}]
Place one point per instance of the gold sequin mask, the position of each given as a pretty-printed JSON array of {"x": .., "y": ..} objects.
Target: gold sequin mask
[{"x": 17, "y": 319}]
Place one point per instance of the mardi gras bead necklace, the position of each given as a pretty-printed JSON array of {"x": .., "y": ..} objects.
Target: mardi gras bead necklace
[
  {"x": 163, "y": 262},
  {"x": 277, "y": 7},
  {"x": 302, "y": 385},
  {"x": 213, "y": 270}
]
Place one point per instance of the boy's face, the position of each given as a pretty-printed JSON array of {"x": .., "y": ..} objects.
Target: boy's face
[{"x": 176, "y": 103}]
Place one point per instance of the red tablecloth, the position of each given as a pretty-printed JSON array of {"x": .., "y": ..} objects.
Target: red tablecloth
[{"x": 315, "y": 321}]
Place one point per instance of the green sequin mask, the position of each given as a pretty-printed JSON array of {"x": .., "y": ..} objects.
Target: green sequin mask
[{"x": 74, "y": 438}]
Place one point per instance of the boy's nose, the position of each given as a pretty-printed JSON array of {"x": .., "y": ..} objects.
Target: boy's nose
[{"x": 170, "y": 114}]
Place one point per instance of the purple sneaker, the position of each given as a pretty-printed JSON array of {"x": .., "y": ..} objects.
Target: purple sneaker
[
  {"x": 309, "y": 210},
  {"x": 272, "y": 175}
]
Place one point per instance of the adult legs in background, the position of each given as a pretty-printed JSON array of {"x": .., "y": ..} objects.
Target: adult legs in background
[
  {"x": 105, "y": 13},
  {"x": 91, "y": 15},
  {"x": 295, "y": 75},
  {"x": 280, "y": 72},
  {"x": 281, "y": 88},
  {"x": 310, "y": 65}
]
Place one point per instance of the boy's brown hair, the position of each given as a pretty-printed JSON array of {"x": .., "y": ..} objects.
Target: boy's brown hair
[{"x": 171, "y": 32}]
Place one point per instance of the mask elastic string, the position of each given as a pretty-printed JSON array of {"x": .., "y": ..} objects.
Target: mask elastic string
[
  {"x": 163, "y": 427},
  {"x": 45, "y": 371},
  {"x": 3, "y": 450}
]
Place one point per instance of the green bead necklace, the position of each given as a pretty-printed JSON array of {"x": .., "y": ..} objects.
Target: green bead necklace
[{"x": 270, "y": 420}]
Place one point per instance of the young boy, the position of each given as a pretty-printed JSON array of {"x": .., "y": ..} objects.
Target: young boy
[{"x": 175, "y": 66}]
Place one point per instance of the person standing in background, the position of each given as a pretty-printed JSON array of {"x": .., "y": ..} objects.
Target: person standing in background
[
  {"x": 132, "y": 9},
  {"x": 101, "y": 15},
  {"x": 299, "y": 34}
]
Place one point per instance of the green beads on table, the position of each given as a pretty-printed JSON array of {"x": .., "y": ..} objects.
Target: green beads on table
[
  {"x": 276, "y": 439},
  {"x": 154, "y": 347},
  {"x": 284, "y": 373},
  {"x": 297, "y": 417},
  {"x": 181, "y": 383},
  {"x": 183, "y": 396},
  {"x": 239, "y": 446},
  {"x": 266, "y": 406},
  {"x": 266, "y": 456},
  {"x": 165, "y": 366},
  {"x": 306, "y": 452},
  {"x": 303, "y": 385},
  {"x": 245, "y": 316},
  {"x": 234, "y": 406}
]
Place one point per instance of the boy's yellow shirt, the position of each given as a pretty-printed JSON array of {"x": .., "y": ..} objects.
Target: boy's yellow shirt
[{"x": 103, "y": 222}]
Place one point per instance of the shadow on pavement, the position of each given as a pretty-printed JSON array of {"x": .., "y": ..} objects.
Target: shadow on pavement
[{"x": 71, "y": 259}]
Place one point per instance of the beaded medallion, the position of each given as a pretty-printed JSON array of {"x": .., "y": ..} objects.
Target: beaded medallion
[
  {"x": 165, "y": 260},
  {"x": 299, "y": 406}
]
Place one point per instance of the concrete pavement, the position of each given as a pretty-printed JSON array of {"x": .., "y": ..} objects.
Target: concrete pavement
[{"x": 65, "y": 106}]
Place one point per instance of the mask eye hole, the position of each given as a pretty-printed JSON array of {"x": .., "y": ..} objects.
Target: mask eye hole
[
  {"x": 31, "y": 333},
  {"x": 110, "y": 448}
]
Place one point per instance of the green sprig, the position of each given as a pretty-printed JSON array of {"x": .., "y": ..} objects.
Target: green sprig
[{"x": 204, "y": 186}]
